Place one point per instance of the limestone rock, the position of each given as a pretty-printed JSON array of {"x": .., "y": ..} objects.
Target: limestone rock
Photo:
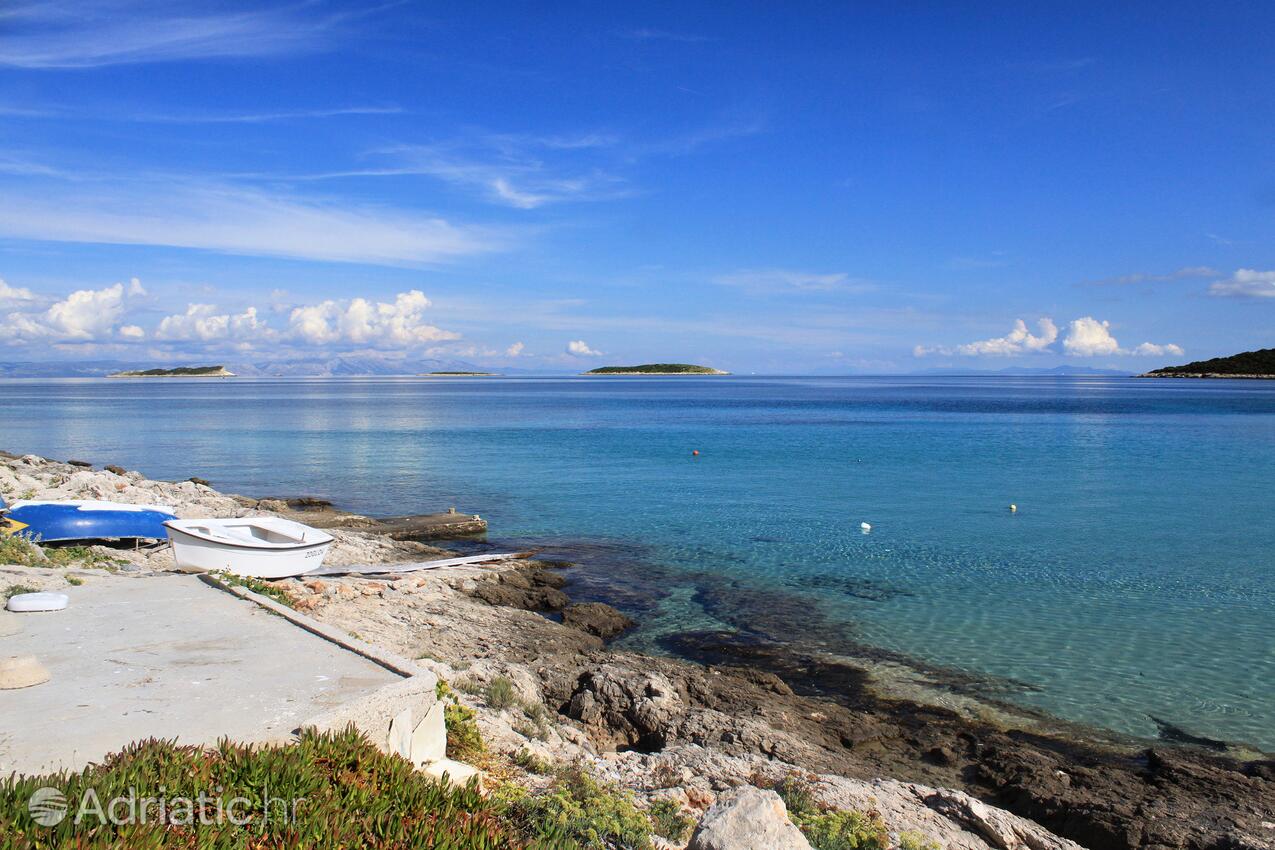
[
  {"x": 429, "y": 738},
  {"x": 639, "y": 707},
  {"x": 747, "y": 818},
  {"x": 457, "y": 773},
  {"x": 21, "y": 671}
]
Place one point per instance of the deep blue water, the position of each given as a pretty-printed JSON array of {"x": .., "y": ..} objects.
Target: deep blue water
[{"x": 1134, "y": 581}]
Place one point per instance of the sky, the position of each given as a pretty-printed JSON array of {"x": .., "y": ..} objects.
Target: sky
[{"x": 810, "y": 188}]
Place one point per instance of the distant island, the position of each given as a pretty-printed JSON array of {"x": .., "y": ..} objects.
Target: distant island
[
  {"x": 656, "y": 369},
  {"x": 458, "y": 375},
  {"x": 1249, "y": 364},
  {"x": 179, "y": 372}
]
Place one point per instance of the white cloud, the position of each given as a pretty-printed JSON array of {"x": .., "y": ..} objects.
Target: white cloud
[
  {"x": 94, "y": 34},
  {"x": 202, "y": 323},
  {"x": 132, "y": 332},
  {"x": 1018, "y": 341},
  {"x": 10, "y": 294},
  {"x": 514, "y": 350},
  {"x": 86, "y": 315},
  {"x": 790, "y": 280},
  {"x": 233, "y": 219},
  {"x": 580, "y": 348},
  {"x": 1088, "y": 337},
  {"x": 135, "y": 287},
  {"x": 1245, "y": 283},
  {"x": 1150, "y": 349},
  {"x": 399, "y": 324}
]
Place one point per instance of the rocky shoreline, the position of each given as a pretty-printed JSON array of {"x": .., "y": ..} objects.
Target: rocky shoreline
[{"x": 735, "y": 709}]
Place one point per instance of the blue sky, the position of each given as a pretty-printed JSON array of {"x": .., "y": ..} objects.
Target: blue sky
[{"x": 858, "y": 187}]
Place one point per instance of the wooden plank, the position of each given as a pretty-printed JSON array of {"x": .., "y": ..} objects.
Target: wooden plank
[{"x": 387, "y": 569}]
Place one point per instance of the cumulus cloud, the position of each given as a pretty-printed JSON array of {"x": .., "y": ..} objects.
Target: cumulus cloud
[
  {"x": 203, "y": 323},
  {"x": 1018, "y": 341},
  {"x": 580, "y": 348},
  {"x": 1088, "y": 337},
  {"x": 1150, "y": 349},
  {"x": 397, "y": 324},
  {"x": 9, "y": 294},
  {"x": 1245, "y": 283},
  {"x": 86, "y": 315},
  {"x": 514, "y": 350}
]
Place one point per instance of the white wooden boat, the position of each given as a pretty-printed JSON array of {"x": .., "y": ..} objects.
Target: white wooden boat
[{"x": 262, "y": 547}]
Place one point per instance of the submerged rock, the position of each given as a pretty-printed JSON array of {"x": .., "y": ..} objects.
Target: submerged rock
[{"x": 596, "y": 618}]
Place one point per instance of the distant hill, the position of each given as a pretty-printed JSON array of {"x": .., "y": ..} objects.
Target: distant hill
[
  {"x": 656, "y": 369},
  {"x": 356, "y": 364},
  {"x": 178, "y": 372},
  {"x": 1249, "y": 364}
]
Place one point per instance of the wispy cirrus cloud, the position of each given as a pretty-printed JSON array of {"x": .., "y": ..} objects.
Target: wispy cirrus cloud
[
  {"x": 261, "y": 117},
  {"x": 524, "y": 172},
  {"x": 96, "y": 33},
  {"x": 1184, "y": 273},
  {"x": 776, "y": 281},
  {"x": 233, "y": 218},
  {"x": 655, "y": 34}
]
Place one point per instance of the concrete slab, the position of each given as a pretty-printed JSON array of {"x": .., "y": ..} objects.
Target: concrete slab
[{"x": 167, "y": 657}]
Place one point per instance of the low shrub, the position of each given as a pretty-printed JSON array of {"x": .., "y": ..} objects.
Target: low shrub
[
  {"x": 347, "y": 794},
  {"x": 916, "y": 841},
  {"x": 576, "y": 810},
  {"x": 19, "y": 551},
  {"x": 533, "y": 763},
  {"x": 668, "y": 820},
  {"x": 79, "y": 556},
  {"x": 836, "y": 830},
  {"x": 500, "y": 693},
  {"x": 15, "y": 589},
  {"x": 256, "y": 585},
  {"x": 464, "y": 741}
]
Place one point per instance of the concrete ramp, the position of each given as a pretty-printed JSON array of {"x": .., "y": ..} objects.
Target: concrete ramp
[{"x": 167, "y": 657}]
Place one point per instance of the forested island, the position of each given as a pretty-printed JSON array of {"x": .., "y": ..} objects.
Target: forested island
[
  {"x": 178, "y": 372},
  {"x": 656, "y": 369},
  {"x": 1248, "y": 364}
]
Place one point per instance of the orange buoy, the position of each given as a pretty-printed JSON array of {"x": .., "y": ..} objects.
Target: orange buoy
[{"x": 695, "y": 452}]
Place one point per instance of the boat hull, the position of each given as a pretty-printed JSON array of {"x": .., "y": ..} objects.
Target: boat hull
[
  {"x": 196, "y": 554},
  {"x": 67, "y": 521}
]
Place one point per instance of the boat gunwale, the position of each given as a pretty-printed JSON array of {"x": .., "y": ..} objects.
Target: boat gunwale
[{"x": 232, "y": 544}]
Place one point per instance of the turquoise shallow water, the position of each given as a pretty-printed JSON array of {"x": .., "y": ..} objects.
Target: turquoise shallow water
[{"x": 1135, "y": 580}]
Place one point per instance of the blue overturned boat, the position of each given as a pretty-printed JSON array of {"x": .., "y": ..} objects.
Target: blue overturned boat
[{"x": 54, "y": 522}]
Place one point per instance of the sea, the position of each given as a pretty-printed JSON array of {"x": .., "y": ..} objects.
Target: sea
[{"x": 1132, "y": 588}]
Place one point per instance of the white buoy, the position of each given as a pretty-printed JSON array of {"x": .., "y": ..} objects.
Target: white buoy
[
  {"x": 866, "y": 528},
  {"x": 1013, "y": 509}
]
